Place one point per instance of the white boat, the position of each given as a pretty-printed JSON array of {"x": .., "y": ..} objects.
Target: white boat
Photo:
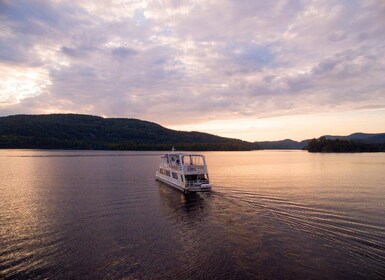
[{"x": 184, "y": 171}]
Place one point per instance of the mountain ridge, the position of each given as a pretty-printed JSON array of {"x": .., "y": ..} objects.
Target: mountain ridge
[
  {"x": 369, "y": 138},
  {"x": 77, "y": 131}
]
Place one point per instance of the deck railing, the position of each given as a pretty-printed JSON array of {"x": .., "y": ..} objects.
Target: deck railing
[
  {"x": 192, "y": 168},
  {"x": 197, "y": 182},
  {"x": 188, "y": 168}
]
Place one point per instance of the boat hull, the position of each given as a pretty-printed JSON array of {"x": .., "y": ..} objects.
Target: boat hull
[{"x": 180, "y": 186}]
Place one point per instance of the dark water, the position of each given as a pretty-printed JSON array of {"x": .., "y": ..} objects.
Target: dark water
[{"x": 272, "y": 215}]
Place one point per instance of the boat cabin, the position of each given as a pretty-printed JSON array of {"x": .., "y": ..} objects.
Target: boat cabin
[{"x": 187, "y": 172}]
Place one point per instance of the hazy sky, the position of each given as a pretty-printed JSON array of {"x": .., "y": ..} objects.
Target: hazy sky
[{"x": 255, "y": 70}]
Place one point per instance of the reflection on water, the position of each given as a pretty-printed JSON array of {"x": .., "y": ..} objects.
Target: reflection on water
[{"x": 272, "y": 214}]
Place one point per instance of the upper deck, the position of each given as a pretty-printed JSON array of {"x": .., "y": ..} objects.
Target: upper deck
[{"x": 186, "y": 163}]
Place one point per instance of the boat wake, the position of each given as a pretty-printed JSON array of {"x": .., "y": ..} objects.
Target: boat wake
[{"x": 358, "y": 238}]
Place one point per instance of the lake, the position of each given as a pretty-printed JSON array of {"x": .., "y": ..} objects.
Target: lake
[{"x": 271, "y": 215}]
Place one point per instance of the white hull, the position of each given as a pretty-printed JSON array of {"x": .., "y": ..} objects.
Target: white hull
[
  {"x": 196, "y": 187},
  {"x": 166, "y": 180},
  {"x": 185, "y": 172}
]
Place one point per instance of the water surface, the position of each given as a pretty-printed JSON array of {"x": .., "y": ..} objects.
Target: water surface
[{"x": 271, "y": 215}]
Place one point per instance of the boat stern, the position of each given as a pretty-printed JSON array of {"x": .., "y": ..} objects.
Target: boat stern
[{"x": 204, "y": 187}]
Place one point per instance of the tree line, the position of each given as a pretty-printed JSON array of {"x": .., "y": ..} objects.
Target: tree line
[
  {"x": 324, "y": 145},
  {"x": 84, "y": 132}
]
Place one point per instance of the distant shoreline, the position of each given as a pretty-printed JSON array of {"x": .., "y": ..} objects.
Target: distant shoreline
[
  {"x": 86, "y": 132},
  {"x": 323, "y": 145},
  {"x": 157, "y": 152}
]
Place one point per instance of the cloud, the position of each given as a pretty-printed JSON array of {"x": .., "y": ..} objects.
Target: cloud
[
  {"x": 120, "y": 53},
  {"x": 178, "y": 62}
]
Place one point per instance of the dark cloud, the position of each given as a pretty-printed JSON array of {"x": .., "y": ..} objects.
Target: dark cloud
[
  {"x": 181, "y": 61},
  {"x": 122, "y": 52},
  {"x": 42, "y": 17},
  {"x": 13, "y": 52},
  {"x": 71, "y": 52}
]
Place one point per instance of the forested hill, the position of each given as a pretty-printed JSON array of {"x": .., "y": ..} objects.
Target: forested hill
[
  {"x": 73, "y": 131},
  {"x": 369, "y": 139},
  {"x": 324, "y": 145}
]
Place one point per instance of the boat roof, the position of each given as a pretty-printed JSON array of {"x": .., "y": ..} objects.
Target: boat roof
[{"x": 184, "y": 154}]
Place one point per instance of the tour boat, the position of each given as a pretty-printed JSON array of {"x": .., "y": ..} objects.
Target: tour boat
[{"x": 184, "y": 171}]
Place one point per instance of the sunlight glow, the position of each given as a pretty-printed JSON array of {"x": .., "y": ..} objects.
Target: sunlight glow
[
  {"x": 296, "y": 127},
  {"x": 241, "y": 69},
  {"x": 20, "y": 83}
]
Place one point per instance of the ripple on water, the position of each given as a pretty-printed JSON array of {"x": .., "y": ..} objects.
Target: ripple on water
[
  {"x": 357, "y": 238},
  {"x": 102, "y": 215}
]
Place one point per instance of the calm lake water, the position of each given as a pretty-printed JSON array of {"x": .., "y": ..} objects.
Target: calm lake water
[{"x": 271, "y": 215}]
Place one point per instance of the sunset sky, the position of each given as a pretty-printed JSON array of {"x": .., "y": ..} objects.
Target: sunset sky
[{"x": 255, "y": 70}]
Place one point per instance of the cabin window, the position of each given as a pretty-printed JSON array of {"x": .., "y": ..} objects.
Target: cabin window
[
  {"x": 186, "y": 160},
  {"x": 165, "y": 172},
  {"x": 196, "y": 160},
  {"x": 191, "y": 177},
  {"x": 196, "y": 177},
  {"x": 174, "y": 175}
]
